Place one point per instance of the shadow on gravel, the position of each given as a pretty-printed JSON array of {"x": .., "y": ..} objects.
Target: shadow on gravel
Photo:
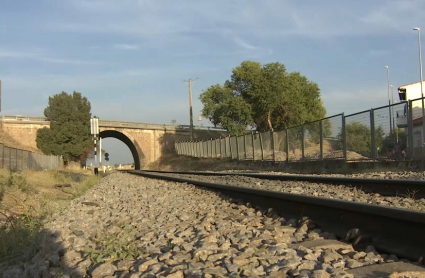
[{"x": 45, "y": 255}]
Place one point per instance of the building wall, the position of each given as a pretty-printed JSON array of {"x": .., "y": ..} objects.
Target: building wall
[{"x": 413, "y": 91}]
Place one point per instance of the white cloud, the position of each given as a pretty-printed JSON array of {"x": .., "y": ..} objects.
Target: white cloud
[
  {"x": 43, "y": 58},
  {"x": 244, "y": 44},
  {"x": 126, "y": 46},
  {"x": 378, "y": 52}
]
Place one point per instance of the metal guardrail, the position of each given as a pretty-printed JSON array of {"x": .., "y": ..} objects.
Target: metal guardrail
[{"x": 108, "y": 123}]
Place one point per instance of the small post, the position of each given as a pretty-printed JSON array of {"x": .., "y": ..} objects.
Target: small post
[
  {"x": 230, "y": 147},
  {"x": 302, "y": 142},
  {"x": 244, "y": 145},
  {"x": 261, "y": 144},
  {"x": 237, "y": 147},
  {"x": 225, "y": 147},
  {"x": 287, "y": 145},
  {"x": 273, "y": 145},
  {"x": 410, "y": 129},
  {"x": 344, "y": 137},
  {"x": 253, "y": 146},
  {"x": 372, "y": 133},
  {"x": 321, "y": 139},
  {"x": 221, "y": 153}
]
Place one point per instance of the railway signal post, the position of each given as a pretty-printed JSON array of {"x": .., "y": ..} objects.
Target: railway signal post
[{"x": 94, "y": 130}]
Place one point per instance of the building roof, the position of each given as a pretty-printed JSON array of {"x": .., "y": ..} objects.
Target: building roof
[
  {"x": 417, "y": 121},
  {"x": 404, "y": 86}
]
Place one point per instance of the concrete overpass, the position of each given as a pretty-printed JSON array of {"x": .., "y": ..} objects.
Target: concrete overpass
[{"x": 147, "y": 142}]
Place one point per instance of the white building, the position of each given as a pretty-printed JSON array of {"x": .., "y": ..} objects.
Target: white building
[{"x": 412, "y": 92}]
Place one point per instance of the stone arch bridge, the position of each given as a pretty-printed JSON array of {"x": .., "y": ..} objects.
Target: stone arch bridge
[{"x": 147, "y": 142}]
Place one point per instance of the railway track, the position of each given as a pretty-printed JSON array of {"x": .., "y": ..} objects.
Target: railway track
[
  {"x": 385, "y": 187},
  {"x": 389, "y": 230}
]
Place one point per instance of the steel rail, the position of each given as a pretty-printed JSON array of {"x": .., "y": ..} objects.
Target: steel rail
[
  {"x": 390, "y": 230},
  {"x": 385, "y": 187}
]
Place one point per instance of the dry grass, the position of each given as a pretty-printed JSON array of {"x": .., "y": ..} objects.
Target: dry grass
[{"x": 28, "y": 199}]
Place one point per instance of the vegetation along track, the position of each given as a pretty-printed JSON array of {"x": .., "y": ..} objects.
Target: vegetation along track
[
  {"x": 389, "y": 230},
  {"x": 385, "y": 187}
]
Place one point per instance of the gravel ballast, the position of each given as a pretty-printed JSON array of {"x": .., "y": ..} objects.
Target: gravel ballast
[
  {"x": 405, "y": 200},
  {"x": 130, "y": 226}
]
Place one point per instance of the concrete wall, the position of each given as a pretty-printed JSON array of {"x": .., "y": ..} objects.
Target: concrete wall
[{"x": 24, "y": 133}]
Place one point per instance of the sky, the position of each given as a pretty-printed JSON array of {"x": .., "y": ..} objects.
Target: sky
[{"x": 130, "y": 57}]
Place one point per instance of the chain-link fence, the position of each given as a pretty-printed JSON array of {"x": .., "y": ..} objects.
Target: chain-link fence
[
  {"x": 17, "y": 160},
  {"x": 391, "y": 132},
  {"x": 358, "y": 135}
]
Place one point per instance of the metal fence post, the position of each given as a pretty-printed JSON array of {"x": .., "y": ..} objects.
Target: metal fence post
[
  {"x": 214, "y": 148},
  {"x": 237, "y": 148},
  {"x": 410, "y": 128},
  {"x": 321, "y": 139},
  {"x": 261, "y": 145},
  {"x": 253, "y": 146},
  {"x": 221, "y": 154},
  {"x": 225, "y": 147},
  {"x": 302, "y": 142},
  {"x": 287, "y": 145},
  {"x": 344, "y": 137},
  {"x": 230, "y": 147},
  {"x": 244, "y": 145},
  {"x": 372, "y": 132},
  {"x": 208, "y": 149},
  {"x": 272, "y": 134}
]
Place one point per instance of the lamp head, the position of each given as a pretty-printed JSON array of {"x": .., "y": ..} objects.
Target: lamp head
[
  {"x": 416, "y": 28},
  {"x": 386, "y": 67}
]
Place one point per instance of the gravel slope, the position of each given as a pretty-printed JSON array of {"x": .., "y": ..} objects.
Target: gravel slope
[
  {"x": 168, "y": 229},
  {"x": 406, "y": 200}
]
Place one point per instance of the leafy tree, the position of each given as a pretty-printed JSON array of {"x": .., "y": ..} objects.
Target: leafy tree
[
  {"x": 265, "y": 97},
  {"x": 359, "y": 139},
  {"x": 69, "y": 132}
]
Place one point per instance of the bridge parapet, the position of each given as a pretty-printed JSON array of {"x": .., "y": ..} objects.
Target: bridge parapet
[
  {"x": 108, "y": 123},
  {"x": 7, "y": 118}
]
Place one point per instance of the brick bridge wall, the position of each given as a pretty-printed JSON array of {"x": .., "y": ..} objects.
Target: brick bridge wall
[{"x": 148, "y": 142}]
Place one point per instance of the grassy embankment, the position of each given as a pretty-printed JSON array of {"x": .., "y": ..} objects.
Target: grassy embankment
[{"x": 29, "y": 199}]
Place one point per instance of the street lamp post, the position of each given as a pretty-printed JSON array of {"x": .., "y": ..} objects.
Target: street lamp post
[
  {"x": 389, "y": 100},
  {"x": 422, "y": 90}
]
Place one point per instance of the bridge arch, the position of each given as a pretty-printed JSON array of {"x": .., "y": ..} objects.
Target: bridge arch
[{"x": 136, "y": 151}]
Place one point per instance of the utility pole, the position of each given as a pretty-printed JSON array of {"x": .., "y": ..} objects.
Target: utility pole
[{"x": 190, "y": 107}]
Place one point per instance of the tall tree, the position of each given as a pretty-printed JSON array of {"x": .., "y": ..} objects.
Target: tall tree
[
  {"x": 265, "y": 97},
  {"x": 69, "y": 132}
]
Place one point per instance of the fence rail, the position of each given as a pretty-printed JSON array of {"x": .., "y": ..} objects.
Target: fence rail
[
  {"x": 17, "y": 160},
  {"x": 392, "y": 132}
]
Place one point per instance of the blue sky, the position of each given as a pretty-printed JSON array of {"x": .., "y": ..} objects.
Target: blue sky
[{"x": 129, "y": 57}]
